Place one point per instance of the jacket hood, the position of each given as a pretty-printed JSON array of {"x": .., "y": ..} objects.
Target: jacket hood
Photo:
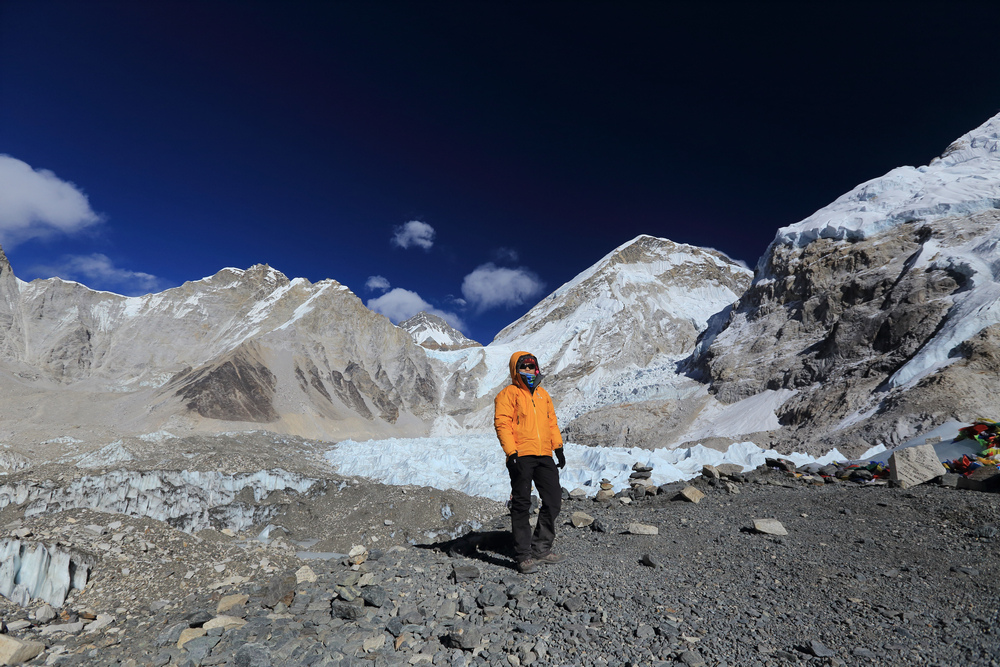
[{"x": 515, "y": 377}]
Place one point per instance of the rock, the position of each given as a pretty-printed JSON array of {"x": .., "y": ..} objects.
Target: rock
[
  {"x": 578, "y": 493},
  {"x": 638, "y": 467},
  {"x": 604, "y": 495},
  {"x": 67, "y": 628},
  {"x": 861, "y": 475},
  {"x": 347, "y": 610},
  {"x": 780, "y": 464},
  {"x": 231, "y": 601},
  {"x": 950, "y": 479},
  {"x": 44, "y": 614},
  {"x": 373, "y": 643},
  {"x": 649, "y": 561},
  {"x": 466, "y": 637},
  {"x": 819, "y": 650},
  {"x": 983, "y": 478},
  {"x": 305, "y": 575},
  {"x": 581, "y": 519},
  {"x": 645, "y": 474},
  {"x": 911, "y": 466},
  {"x": 462, "y": 573},
  {"x": 102, "y": 621},
  {"x": 15, "y": 651},
  {"x": 769, "y": 527},
  {"x": 171, "y": 634},
  {"x": 692, "y": 659},
  {"x": 190, "y": 633},
  {"x": 691, "y": 494},
  {"x": 598, "y": 526},
  {"x": 574, "y": 604},
  {"x": 491, "y": 596},
  {"x": 252, "y": 655},
  {"x": 225, "y": 622},
  {"x": 357, "y": 555},
  {"x": 710, "y": 472},
  {"x": 642, "y": 529},
  {"x": 196, "y": 619},
  {"x": 447, "y": 610},
  {"x": 374, "y": 596},
  {"x": 280, "y": 589}
]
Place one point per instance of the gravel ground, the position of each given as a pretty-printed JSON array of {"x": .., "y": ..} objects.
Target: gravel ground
[{"x": 866, "y": 575}]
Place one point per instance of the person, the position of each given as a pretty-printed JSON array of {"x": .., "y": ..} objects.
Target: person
[{"x": 525, "y": 422}]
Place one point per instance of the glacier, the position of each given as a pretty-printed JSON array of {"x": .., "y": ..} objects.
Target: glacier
[{"x": 473, "y": 463}]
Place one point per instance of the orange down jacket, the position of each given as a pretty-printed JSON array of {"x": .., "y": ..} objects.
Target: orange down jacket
[{"x": 525, "y": 422}]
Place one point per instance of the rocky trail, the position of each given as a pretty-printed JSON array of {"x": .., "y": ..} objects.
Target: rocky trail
[{"x": 865, "y": 574}]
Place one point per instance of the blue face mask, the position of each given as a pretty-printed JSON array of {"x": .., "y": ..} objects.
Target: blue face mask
[{"x": 531, "y": 379}]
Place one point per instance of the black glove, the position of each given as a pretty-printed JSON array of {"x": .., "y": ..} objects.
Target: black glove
[
  {"x": 561, "y": 458},
  {"x": 511, "y": 460}
]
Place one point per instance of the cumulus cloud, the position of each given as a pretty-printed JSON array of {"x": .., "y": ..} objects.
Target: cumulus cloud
[
  {"x": 490, "y": 286},
  {"x": 401, "y": 304},
  {"x": 36, "y": 203},
  {"x": 377, "y": 284},
  {"x": 414, "y": 233},
  {"x": 99, "y": 272}
]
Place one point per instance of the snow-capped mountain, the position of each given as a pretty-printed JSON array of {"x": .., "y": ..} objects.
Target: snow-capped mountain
[
  {"x": 614, "y": 333},
  {"x": 873, "y": 319},
  {"x": 878, "y": 314},
  {"x": 235, "y": 350},
  {"x": 433, "y": 333}
]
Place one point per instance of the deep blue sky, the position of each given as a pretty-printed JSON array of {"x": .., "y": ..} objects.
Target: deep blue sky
[{"x": 301, "y": 135}]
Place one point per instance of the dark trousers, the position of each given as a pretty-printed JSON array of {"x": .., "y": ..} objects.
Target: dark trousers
[{"x": 543, "y": 472}]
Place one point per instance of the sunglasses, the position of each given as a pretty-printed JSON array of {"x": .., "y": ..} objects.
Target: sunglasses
[{"x": 527, "y": 367}]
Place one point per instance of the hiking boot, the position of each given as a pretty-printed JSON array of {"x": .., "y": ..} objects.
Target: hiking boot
[
  {"x": 527, "y": 566},
  {"x": 551, "y": 558}
]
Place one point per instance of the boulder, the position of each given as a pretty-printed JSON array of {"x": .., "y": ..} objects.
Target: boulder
[
  {"x": 984, "y": 478},
  {"x": 911, "y": 466},
  {"x": 642, "y": 529},
  {"x": 769, "y": 527},
  {"x": 690, "y": 494},
  {"x": 15, "y": 651}
]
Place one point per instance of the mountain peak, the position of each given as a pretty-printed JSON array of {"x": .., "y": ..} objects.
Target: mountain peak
[{"x": 433, "y": 333}]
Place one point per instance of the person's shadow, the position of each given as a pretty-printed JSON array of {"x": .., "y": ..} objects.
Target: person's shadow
[{"x": 494, "y": 546}]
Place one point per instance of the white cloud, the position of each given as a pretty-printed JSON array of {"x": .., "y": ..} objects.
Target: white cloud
[
  {"x": 414, "y": 233},
  {"x": 36, "y": 203},
  {"x": 377, "y": 284},
  {"x": 99, "y": 272},
  {"x": 490, "y": 286},
  {"x": 400, "y": 304}
]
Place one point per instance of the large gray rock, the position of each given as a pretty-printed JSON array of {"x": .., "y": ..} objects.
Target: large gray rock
[
  {"x": 911, "y": 466},
  {"x": 15, "y": 651},
  {"x": 769, "y": 527}
]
